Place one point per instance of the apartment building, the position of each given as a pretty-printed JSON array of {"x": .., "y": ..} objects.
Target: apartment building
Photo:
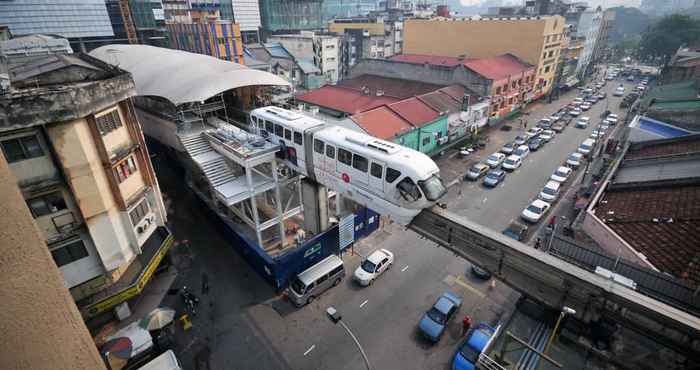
[
  {"x": 325, "y": 51},
  {"x": 368, "y": 38},
  {"x": 69, "y": 134},
  {"x": 536, "y": 40},
  {"x": 587, "y": 31},
  {"x": 217, "y": 38}
]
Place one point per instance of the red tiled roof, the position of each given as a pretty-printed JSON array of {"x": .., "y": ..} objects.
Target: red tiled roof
[
  {"x": 499, "y": 67},
  {"x": 441, "y": 102},
  {"x": 680, "y": 146},
  {"x": 344, "y": 100},
  {"x": 661, "y": 223},
  {"x": 382, "y": 122},
  {"x": 430, "y": 59},
  {"x": 416, "y": 112},
  {"x": 393, "y": 87}
]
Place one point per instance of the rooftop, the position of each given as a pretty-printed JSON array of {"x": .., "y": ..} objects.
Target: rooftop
[
  {"x": 393, "y": 87},
  {"x": 415, "y": 111},
  {"x": 670, "y": 92},
  {"x": 427, "y": 59},
  {"x": 344, "y": 100},
  {"x": 658, "y": 148},
  {"x": 498, "y": 67},
  {"x": 382, "y": 122}
]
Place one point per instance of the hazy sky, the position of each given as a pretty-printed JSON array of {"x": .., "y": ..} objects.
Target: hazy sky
[{"x": 592, "y": 3}]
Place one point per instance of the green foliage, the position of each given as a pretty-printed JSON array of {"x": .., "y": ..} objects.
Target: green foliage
[{"x": 668, "y": 34}]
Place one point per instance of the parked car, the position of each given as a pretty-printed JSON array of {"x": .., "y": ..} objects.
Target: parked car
[
  {"x": 558, "y": 127},
  {"x": 595, "y": 134},
  {"x": 512, "y": 163},
  {"x": 592, "y": 99},
  {"x": 619, "y": 91},
  {"x": 533, "y": 132},
  {"x": 535, "y": 211},
  {"x": 519, "y": 140},
  {"x": 495, "y": 159},
  {"x": 522, "y": 151},
  {"x": 494, "y": 177},
  {"x": 373, "y": 266},
  {"x": 556, "y": 117},
  {"x": 578, "y": 101},
  {"x": 516, "y": 230},
  {"x": 630, "y": 78},
  {"x": 476, "y": 171},
  {"x": 535, "y": 144},
  {"x": 544, "y": 123},
  {"x": 547, "y": 135},
  {"x": 480, "y": 273},
  {"x": 582, "y": 122},
  {"x": 508, "y": 148},
  {"x": 550, "y": 191},
  {"x": 585, "y": 106},
  {"x": 586, "y": 146},
  {"x": 575, "y": 112},
  {"x": 602, "y": 95},
  {"x": 561, "y": 174},
  {"x": 433, "y": 324},
  {"x": 574, "y": 160},
  {"x": 612, "y": 118},
  {"x": 604, "y": 127},
  {"x": 478, "y": 341}
]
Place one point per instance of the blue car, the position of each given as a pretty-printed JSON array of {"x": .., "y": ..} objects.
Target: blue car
[
  {"x": 434, "y": 322},
  {"x": 468, "y": 353}
]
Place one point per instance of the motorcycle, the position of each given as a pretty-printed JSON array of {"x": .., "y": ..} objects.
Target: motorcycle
[{"x": 190, "y": 300}]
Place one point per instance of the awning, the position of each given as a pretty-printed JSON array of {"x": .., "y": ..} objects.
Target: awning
[{"x": 136, "y": 276}]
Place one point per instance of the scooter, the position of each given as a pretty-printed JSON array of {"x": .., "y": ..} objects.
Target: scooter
[{"x": 190, "y": 300}]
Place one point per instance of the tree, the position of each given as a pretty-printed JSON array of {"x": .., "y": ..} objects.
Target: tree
[{"x": 668, "y": 34}]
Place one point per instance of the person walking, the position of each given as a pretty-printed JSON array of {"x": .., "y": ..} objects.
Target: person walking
[
  {"x": 538, "y": 243},
  {"x": 466, "y": 324}
]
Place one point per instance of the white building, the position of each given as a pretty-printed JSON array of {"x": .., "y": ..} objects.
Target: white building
[
  {"x": 588, "y": 29},
  {"x": 323, "y": 50}
]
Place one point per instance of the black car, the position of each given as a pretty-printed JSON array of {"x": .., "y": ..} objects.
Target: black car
[
  {"x": 535, "y": 144},
  {"x": 494, "y": 177}
]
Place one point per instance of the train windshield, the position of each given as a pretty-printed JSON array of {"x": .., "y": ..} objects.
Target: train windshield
[{"x": 433, "y": 187}]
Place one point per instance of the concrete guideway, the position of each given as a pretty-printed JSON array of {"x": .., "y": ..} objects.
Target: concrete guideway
[{"x": 556, "y": 283}]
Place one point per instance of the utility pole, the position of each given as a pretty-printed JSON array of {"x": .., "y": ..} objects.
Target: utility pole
[{"x": 128, "y": 22}]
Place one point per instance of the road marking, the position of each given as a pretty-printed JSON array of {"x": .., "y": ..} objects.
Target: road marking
[
  {"x": 469, "y": 287},
  {"x": 363, "y": 303},
  {"x": 404, "y": 269},
  {"x": 309, "y": 350}
]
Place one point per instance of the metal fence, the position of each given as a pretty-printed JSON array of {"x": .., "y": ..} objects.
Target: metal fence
[{"x": 660, "y": 286}]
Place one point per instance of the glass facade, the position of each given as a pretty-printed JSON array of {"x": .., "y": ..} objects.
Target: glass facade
[
  {"x": 347, "y": 8},
  {"x": 291, "y": 15}
]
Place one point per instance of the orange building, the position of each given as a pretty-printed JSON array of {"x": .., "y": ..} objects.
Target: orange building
[{"x": 220, "y": 39}]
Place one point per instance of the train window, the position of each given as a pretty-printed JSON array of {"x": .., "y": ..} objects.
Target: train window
[
  {"x": 297, "y": 138},
  {"x": 408, "y": 189},
  {"x": 279, "y": 130},
  {"x": 344, "y": 156},
  {"x": 392, "y": 175},
  {"x": 359, "y": 163},
  {"x": 254, "y": 120},
  {"x": 330, "y": 151},
  {"x": 269, "y": 127},
  {"x": 287, "y": 134},
  {"x": 376, "y": 170},
  {"x": 318, "y": 146}
]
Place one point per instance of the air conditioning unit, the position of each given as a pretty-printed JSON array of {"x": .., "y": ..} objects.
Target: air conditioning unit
[
  {"x": 145, "y": 224},
  {"x": 443, "y": 140}
]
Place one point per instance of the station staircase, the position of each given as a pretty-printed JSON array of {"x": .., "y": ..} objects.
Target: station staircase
[{"x": 212, "y": 164}]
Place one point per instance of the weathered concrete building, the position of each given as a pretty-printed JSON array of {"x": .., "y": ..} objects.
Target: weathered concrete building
[{"x": 70, "y": 135}]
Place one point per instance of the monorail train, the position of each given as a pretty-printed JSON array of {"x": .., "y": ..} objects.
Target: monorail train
[{"x": 388, "y": 178}]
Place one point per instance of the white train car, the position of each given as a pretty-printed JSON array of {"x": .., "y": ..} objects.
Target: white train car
[{"x": 388, "y": 178}]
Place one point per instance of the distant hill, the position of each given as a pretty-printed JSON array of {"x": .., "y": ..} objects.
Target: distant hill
[{"x": 629, "y": 22}]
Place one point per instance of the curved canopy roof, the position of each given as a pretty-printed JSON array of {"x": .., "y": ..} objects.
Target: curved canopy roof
[{"x": 180, "y": 76}]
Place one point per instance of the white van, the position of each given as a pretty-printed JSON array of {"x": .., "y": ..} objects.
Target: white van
[
  {"x": 550, "y": 191},
  {"x": 586, "y": 146},
  {"x": 619, "y": 91},
  {"x": 166, "y": 361},
  {"x": 315, "y": 280}
]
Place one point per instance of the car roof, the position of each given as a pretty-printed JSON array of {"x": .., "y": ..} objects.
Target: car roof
[
  {"x": 377, "y": 256},
  {"x": 480, "y": 336},
  {"x": 497, "y": 171},
  {"x": 577, "y": 154},
  {"x": 480, "y": 165},
  {"x": 564, "y": 168},
  {"x": 499, "y": 154},
  {"x": 552, "y": 184},
  {"x": 522, "y": 146},
  {"x": 539, "y": 203},
  {"x": 513, "y": 157}
]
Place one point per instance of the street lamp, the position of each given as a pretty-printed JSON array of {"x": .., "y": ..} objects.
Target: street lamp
[
  {"x": 564, "y": 311},
  {"x": 336, "y": 318}
]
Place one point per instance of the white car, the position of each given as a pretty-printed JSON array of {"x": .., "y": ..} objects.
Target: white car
[
  {"x": 535, "y": 210},
  {"x": 373, "y": 266},
  {"x": 575, "y": 112},
  {"x": 619, "y": 91},
  {"x": 547, "y": 135},
  {"x": 612, "y": 118},
  {"x": 596, "y": 134},
  {"x": 582, "y": 122},
  {"x": 533, "y": 132},
  {"x": 561, "y": 174},
  {"x": 522, "y": 151},
  {"x": 512, "y": 163},
  {"x": 495, "y": 159},
  {"x": 585, "y": 106},
  {"x": 604, "y": 127},
  {"x": 574, "y": 160}
]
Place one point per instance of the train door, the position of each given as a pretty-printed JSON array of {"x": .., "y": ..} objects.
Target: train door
[
  {"x": 319, "y": 155},
  {"x": 330, "y": 160},
  {"x": 344, "y": 164},
  {"x": 376, "y": 177},
  {"x": 297, "y": 142}
]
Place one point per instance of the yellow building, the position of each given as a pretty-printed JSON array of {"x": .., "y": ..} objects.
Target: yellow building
[
  {"x": 537, "y": 40},
  {"x": 220, "y": 39},
  {"x": 82, "y": 165}
]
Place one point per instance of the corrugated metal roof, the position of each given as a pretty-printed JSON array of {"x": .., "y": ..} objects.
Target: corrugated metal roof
[
  {"x": 441, "y": 102},
  {"x": 277, "y": 51},
  {"x": 307, "y": 66},
  {"x": 382, "y": 122},
  {"x": 343, "y": 99},
  {"x": 499, "y": 67},
  {"x": 658, "y": 170},
  {"x": 677, "y": 146},
  {"x": 429, "y": 59},
  {"x": 394, "y": 87},
  {"x": 416, "y": 112}
]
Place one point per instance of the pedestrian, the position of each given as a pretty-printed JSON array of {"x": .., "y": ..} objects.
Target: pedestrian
[
  {"x": 466, "y": 324},
  {"x": 538, "y": 243}
]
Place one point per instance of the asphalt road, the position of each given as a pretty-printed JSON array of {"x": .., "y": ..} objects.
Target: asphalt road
[{"x": 242, "y": 324}]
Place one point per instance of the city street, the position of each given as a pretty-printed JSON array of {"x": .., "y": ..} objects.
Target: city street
[{"x": 243, "y": 324}]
